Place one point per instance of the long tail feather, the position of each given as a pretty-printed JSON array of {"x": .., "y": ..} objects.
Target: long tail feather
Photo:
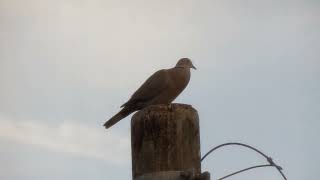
[{"x": 116, "y": 118}]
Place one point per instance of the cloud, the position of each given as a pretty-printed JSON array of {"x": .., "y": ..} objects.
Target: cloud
[{"x": 68, "y": 137}]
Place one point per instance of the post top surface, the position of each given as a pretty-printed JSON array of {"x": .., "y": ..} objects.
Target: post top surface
[{"x": 167, "y": 107}]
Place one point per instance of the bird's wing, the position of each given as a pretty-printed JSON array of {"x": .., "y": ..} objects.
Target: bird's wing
[{"x": 154, "y": 85}]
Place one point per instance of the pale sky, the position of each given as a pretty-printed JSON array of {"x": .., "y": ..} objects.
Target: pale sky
[{"x": 67, "y": 65}]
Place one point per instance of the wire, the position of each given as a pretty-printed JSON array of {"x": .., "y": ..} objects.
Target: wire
[
  {"x": 269, "y": 159},
  {"x": 246, "y": 169},
  {"x": 233, "y": 143}
]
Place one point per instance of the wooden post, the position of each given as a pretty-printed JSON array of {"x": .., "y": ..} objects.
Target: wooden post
[{"x": 165, "y": 141}]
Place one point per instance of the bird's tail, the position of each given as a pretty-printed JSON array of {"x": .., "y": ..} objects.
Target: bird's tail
[{"x": 116, "y": 118}]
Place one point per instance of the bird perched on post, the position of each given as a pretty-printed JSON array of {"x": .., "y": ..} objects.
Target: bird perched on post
[{"x": 161, "y": 88}]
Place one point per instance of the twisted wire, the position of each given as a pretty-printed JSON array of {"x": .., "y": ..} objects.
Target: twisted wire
[{"x": 269, "y": 159}]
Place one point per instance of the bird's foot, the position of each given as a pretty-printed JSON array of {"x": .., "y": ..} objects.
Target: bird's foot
[{"x": 170, "y": 107}]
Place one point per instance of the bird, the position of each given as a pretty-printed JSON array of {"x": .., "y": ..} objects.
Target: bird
[{"x": 162, "y": 87}]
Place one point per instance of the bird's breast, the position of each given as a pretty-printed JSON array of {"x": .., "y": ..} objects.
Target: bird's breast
[
  {"x": 181, "y": 78},
  {"x": 179, "y": 82}
]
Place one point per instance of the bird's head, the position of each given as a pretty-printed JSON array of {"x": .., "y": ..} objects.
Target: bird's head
[{"x": 185, "y": 63}]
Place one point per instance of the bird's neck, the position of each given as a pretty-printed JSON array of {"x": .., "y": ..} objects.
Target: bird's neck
[
  {"x": 182, "y": 71},
  {"x": 181, "y": 67}
]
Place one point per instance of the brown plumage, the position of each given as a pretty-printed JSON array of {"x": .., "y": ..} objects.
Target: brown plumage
[{"x": 161, "y": 88}]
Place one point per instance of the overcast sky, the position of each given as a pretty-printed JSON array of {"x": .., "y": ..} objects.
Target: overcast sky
[{"x": 67, "y": 65}]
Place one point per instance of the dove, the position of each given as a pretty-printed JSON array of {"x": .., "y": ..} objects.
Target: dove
[{"x": 162, "y": 87}]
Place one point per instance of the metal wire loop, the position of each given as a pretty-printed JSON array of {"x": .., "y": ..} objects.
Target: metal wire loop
[{"x": 269, "y": 159}]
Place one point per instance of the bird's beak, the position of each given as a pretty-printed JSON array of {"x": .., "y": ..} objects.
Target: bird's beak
[{"x": 192, "y": 66}]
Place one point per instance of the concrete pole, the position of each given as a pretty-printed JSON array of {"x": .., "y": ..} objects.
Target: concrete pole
[{"x": 165, "y": 143}]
